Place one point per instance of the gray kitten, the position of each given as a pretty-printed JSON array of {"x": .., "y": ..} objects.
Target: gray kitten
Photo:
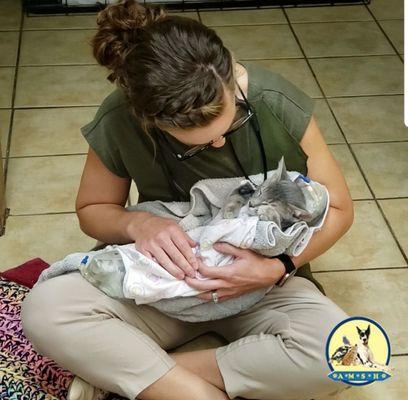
[{"x": 277, "y": 199}]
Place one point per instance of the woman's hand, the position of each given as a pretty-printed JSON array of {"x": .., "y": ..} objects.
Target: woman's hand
[
  {"x": 250, "y": 271},
  {"x": 163, "y": 239}
]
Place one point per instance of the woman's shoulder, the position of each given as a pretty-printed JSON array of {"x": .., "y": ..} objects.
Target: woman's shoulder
[
  {"x": 277, "y": 89},
  {"x": 291, "y": 105},
  {"x": 113, "y": 108},
  {"x": 114, "y": 133}
]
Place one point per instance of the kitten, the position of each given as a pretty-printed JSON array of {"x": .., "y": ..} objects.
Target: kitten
[{"x": 277, "y": 199}]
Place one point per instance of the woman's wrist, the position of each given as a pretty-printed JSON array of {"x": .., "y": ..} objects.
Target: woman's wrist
[
  {"x": 273, "y": 269},
  {"x": 133, "y": 221}
]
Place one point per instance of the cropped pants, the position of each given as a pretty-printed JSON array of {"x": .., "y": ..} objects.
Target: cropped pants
[{"x": 275, "y": 350}]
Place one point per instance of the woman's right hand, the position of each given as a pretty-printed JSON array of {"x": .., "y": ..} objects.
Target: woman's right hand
[{"x": 163, "y": 239}]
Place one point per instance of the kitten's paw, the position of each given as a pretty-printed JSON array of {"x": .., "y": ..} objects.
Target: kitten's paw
[{"x": 230, "y": 212}]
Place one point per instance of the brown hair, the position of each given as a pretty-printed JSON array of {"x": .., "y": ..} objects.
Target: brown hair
[{"x": 173, "y": 69}]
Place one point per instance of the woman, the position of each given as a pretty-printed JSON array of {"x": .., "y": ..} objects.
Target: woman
[{"x": 184, "y": 110}]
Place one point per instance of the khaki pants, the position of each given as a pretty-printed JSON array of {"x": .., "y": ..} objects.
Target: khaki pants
[{"x": 276, "y": 348}]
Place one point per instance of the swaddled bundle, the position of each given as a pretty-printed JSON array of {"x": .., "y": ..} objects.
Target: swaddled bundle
[{"x": 273, "y": 217}]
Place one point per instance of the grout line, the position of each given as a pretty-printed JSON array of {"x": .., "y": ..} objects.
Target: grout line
[
  {"x": 385, "y": 34},
  {"x": 347, "y": 142},
  {"x": 359, "y": 269},
  {"x": 42, "y": 214},
  {"x": 48, "y": 155},
  {"x": 58, "y": 65},
  {"x": 329, "y": 144},
  {"x": 377, "y": 142},
  {"x": 244, "y": 58},
  {"x": 50, "y": 106},
  {"x": 383, "y": 198},
  {"x": 11, "y": 120}
]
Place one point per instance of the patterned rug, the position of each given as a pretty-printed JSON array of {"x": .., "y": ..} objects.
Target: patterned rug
[{"x": 25, "y": 374}]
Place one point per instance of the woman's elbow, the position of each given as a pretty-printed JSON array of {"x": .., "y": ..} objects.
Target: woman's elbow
[{"x": 348, "y": 214}]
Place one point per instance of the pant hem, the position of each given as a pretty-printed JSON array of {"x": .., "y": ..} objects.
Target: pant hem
[
  {"x": 155, "y": 374},
  {"x": 224, "y": 368}
]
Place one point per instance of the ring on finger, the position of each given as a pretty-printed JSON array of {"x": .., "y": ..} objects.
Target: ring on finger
[{"x": 214, "y": 295}]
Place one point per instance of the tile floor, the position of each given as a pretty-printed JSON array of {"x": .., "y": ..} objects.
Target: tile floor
[{"x": 349, "y": 58}]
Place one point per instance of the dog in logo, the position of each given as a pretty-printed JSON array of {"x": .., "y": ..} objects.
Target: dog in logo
[{"x": 357, "y": 354}]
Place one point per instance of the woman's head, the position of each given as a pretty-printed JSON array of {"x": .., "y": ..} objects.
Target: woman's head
[{"x": 176, "y": 72}]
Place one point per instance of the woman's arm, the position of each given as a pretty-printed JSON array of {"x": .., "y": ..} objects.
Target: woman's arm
[
  {"x": 100, "y": 203},
  {"x": 323, "y": 168},
  {"x": 251, "y": 270}
]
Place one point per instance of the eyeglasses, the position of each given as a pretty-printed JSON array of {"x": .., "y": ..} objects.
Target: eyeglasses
[{"x": 242, "y": 114}]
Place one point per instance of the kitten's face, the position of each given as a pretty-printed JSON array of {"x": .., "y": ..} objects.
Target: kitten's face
[{"x": 277, "y": 199}]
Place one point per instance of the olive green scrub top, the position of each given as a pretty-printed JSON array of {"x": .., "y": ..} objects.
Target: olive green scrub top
[{"x": 283, "y": 111}]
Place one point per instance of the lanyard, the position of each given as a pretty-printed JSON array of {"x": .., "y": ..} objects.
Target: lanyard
[{"x": 179, "y": 193}]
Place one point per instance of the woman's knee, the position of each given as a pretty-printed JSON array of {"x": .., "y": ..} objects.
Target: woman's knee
[
  {"x": 291, "y": 368},
  {"x": 307, "y": 348}
]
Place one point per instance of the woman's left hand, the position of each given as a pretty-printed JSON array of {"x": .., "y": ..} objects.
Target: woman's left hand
[{"x": 249, "y": 271}]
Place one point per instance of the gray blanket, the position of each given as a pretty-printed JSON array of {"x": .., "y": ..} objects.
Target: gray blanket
[{"x": 206, "y": 199}]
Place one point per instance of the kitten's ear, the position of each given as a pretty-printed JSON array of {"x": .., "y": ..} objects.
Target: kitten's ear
[
  {"x": 281, "y": 170},
  {"x": 284, "y": 174}
]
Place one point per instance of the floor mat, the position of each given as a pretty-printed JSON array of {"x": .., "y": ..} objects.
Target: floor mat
[{"x": 24, "y": 374}]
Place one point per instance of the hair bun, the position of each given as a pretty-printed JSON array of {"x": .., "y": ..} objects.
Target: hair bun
[{"x": 119, "y": 25}]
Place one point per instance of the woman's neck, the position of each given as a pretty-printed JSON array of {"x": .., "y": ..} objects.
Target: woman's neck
[{"x": 242, "y": 79}]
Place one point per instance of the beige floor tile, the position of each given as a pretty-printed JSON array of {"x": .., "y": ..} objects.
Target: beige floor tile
[
  {"x": 59, "y": 22},
  {"x": 355, "y": 181},
  {"x": 342, "y": 39},
  {"x": 385, "y": 165},
  {"x": 295, "y": 70},
  {"x": 326, "y": 123},
  {"x": 255, "y": 41},
  {"x": 396, "y": 212},
  {"x": 6, "y": 86},
  {"x": 38, "y": 132},
  {"x": 4, "y": 130},
  {"x": 387, "y": 9},
  {"x": 57, "y": 47},
  {"x": 188, "y": 14},
  {"x": 10, "y": 15},
  {"x": 371, "y": 119},
  {"x": 381, "y": 295},
  {"x": 328, "y": 14},
  {"x": 367, "y": 244},
  {"x": 394, "y": 388},
  {"x": 8, "y": 48},
  {"x": 43, "y": 184},
  {"x": 83, "y": 85},
  {"x": 50, "y": 237},
  {"x": 243, "y": 17},
  {"x": 395, "y": 31},
  {"x": 359, "y": 76}
]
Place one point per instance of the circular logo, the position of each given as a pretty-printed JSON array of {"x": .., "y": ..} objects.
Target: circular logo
[{"x": 358, "y": 352}]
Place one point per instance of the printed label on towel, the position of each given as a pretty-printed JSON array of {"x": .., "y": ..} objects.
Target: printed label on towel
[{"x": 358, "y": 352}]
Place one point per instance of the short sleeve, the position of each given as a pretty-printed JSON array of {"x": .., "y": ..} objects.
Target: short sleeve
[
  {"x": 291, "y": 105},
  {"x": 102, "y": 136}
]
